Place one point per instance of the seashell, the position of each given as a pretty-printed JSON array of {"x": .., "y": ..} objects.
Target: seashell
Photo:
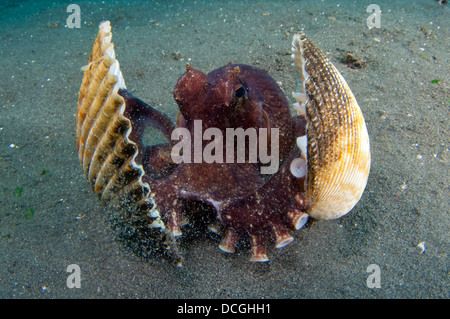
[
  {"x": 106, "y": 153},
  {"x": 338, "y": 148}
]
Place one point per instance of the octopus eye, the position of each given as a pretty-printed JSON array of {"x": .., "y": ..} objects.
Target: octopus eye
[{"x": 239, "y": 90}]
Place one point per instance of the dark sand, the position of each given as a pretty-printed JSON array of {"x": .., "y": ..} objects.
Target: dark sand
[{"x": 49, "y": 217}]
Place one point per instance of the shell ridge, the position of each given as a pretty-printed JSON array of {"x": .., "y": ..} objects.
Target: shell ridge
[
  {"x": 103, "y": 122},
  {"x": 88, "y": 116},
  {"x": 98, "y": 105}
]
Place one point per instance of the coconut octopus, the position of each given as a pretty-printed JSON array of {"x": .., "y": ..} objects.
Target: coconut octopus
[{"x": 236, "y": 157}]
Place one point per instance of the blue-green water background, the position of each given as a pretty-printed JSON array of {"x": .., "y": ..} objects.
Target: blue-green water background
[{"x": 49, "y": 218}]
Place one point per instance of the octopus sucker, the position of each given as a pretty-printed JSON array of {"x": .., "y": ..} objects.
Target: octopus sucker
[
  {"x": 298, "y": 218},
  {"x": 174, "y": 223},
  {"x": 229, "y": 241},
  {"x": 282, "y": 236},
  {"x": 258, "y": 249},
  {"x": 277, "y": 173}
]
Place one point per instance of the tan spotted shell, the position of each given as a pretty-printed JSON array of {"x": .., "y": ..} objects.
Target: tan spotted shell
[
  {"x": 106, "y": 153},
  {"x": 336, "y": 143}
]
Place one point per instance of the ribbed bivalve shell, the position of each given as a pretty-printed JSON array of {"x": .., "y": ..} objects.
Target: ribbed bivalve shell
[
  {"x": 338, "y": 149},
  {"x": 106, "y": 153}
]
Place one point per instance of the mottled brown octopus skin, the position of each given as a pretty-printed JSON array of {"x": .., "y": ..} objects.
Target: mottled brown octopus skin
[{"x": 242, "y": 200}]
